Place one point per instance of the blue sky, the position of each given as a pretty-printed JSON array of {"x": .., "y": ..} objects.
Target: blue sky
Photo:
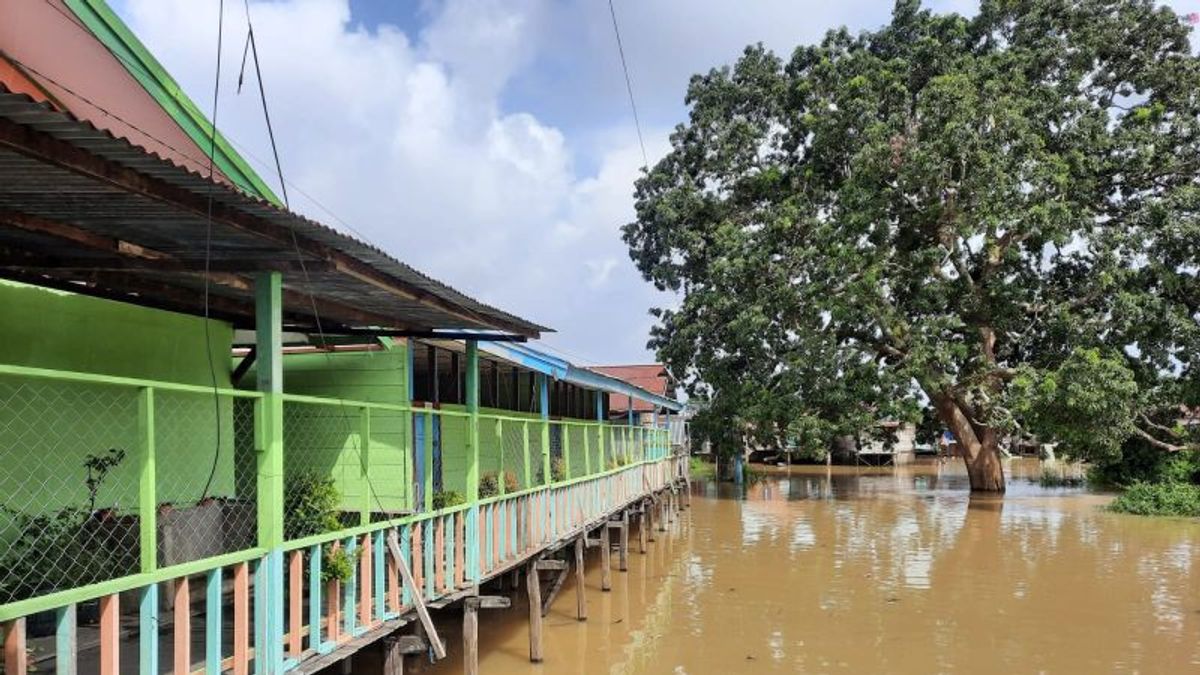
[{"x": 487, "y": 142}]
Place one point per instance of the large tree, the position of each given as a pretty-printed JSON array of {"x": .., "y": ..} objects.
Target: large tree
[{"x": 993, "y": 216}]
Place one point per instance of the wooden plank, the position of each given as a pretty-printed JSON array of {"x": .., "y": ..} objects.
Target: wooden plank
[
  {"x": 314, "y": 598},
  {"x": 350, "y": 592},
  {"x": 333, "y": 602},
  {"x": 212, "y": 623},
  {"x": 555, "y": 588},
  {"x": 241, "y": 619},
  {"x": 181, "y": 603},
  {"x": 439, "y": 649},
  {"x": 366, "y": 576},
  {"x": 460, "y": 539},
  {"x": 110, "y": 635},
  {"x": 533, "y": 586},
  {"x": 418, "y": 567},
  {"x": 66, "y": 642},
  {"x": 439, "y": 554},
  {"x": 551, "y": 564},
  {"x": 148, "y": 630},
  {"x": 295, "y": 643},
  {"x": 581, "y": 611},
  {"x": 16, "y": 660}
]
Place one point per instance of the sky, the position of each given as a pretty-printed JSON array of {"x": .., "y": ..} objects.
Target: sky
[{"x": 488, "y": 143}]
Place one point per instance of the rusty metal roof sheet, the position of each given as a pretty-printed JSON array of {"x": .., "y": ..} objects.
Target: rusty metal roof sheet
[{"x": 99, "y": 214}]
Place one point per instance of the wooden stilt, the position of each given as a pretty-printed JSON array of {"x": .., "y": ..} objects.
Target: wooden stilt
[
  {"x": 648, "y": 509},
  {"x": 471, "y": 636},
  {"x": 641, "y": 523},
  {"x": 66, "y": 642},
  {"x": 393, "y": 657},
  {"x": 182, "y": 613},
  {"x": 605, "y": 559},
  {"x": 533, "y": 585},
  {"x": 110, "y": 635},
  {"x": 581, "y": 611},
  {"x": 623, "y": 543},
  {"x": 662, "y": 513},
  {"x": 16, "y": 661}
]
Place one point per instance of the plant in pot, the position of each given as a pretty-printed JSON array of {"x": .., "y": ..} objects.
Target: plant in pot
[{"x": 444, "y": 499}]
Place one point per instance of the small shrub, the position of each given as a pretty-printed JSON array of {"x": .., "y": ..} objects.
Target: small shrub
[
  {"x": 444, "y": 499},
  {"x": 337, "y": 565},
  {"x": 311, "y": 505},
  {"x": 558, "y": 469},
  {"x": 1159, "y": 499}
]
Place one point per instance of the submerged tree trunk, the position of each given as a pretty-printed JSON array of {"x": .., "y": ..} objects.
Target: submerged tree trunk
[{"x": 979, "y": 444}]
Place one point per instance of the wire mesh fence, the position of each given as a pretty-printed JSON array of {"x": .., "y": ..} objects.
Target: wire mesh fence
[
  {"x": 512, "y": 447},
  {"x": 205, "y": 475}
]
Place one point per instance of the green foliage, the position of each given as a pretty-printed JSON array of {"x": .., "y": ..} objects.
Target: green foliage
[
  {"x": 701, "y": 469},
  {"x": 489, "y": 484},
  {"x": 98, "y": 467},
  {"x": 336, "y": 565},
  {"x": 311, "y": 505},
  {"x": 444, "y": 499},
  {"x": 926, "y": 212},
  {"x": 558, "y": 469},
  {"x": 1159, "y": 499},
  {"x": 1087, "y": 403},
  {"x": 1059, "y": 478},
  {"x": 1140, "y": 462}
]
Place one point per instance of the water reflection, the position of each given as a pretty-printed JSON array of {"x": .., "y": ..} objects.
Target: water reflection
[{"x": 879, "y": 570}]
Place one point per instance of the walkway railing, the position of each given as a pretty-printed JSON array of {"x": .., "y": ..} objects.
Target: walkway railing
[{"x": 118, "y": 485}]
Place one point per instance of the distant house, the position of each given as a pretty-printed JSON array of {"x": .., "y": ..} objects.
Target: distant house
[{"x": 653, "y": 378}]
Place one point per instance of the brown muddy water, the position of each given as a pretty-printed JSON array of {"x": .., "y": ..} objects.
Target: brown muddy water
[{"x": 879, "y": 571}]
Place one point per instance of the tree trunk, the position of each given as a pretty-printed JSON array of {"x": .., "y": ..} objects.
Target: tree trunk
[{"x": 980, "y": 445}]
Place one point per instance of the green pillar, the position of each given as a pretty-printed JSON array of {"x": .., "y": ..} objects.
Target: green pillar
[
  {"x": 472, "y": 543},
  {"x": 268, "y": 305},
  {"x": 544, "y": 409},
  {"x": 269, "y": 339}
]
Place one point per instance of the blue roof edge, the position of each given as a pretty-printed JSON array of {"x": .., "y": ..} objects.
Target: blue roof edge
[{"x": 561, "y": 369}]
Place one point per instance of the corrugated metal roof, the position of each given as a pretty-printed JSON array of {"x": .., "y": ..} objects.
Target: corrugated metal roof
[{"x": 156, "y": 204}]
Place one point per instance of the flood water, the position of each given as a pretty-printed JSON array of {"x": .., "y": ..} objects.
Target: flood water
[{"x": 880, "y": 571}]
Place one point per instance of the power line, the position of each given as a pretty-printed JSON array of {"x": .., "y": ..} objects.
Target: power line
[
  {"x": 628, "y": 84},
  {"x": 212, "y": 150}
]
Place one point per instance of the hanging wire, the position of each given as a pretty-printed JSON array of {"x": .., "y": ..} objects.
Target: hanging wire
[
  {"x": 208, "y": 227},
  {"x": 628, "y": 84}
]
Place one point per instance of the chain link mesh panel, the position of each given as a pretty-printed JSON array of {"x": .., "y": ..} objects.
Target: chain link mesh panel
[
  {"x": 580, "y": 462},
  {"x": 512, "y": 444},
  {"x": 323, "y": 488},
  {"x": 205, "y": 475},
  {"x": 69, "y": 487}
]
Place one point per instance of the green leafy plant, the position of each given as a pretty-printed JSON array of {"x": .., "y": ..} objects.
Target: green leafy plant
[
  {"x": 444, "y": 499},
  {"x": 337, "y": 565},
  {"x": 98, "y": 467},
  {"x": 558, "y": 469},
  {"x": 311, "y": 505}
]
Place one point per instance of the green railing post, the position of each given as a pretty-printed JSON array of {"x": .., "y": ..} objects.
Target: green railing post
[
  {"x": 268, "y": 302},
  {"x": 472, "y": 545},
  {"x": 525, "y": 441},
  {"x": 147, "y": 497},
  {"x": 600, "y": 429},
  {"x": 500, "y": 445},
  {"x": 544, "y": 409},
  {"x": 587, "y": 450},
  {"x": 364, "y": 463},
  {"x": 565, "y": 440},
  {"x": 427, "y": 461}
]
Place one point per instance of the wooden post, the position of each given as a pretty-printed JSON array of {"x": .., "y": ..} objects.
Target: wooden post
[
  {"x": 623, "y": 544},
  {"x": 268, "y": 305},
  {"x": 662, "y": 515},
  {"x": 66, "y": 642},
  {"x": 183, "y": 626},
  {"x": 533, "y": 586},
  {"x": 648, "y": 509},
  {"x": 581, "y": 611},
  {"x": 110, "y": 636},
  {"x": 471, "y": 637},
  {"x": 241, "y": 619},
  {"x": 15, "y": 659},
  {"x": 605, "y": 559}
]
